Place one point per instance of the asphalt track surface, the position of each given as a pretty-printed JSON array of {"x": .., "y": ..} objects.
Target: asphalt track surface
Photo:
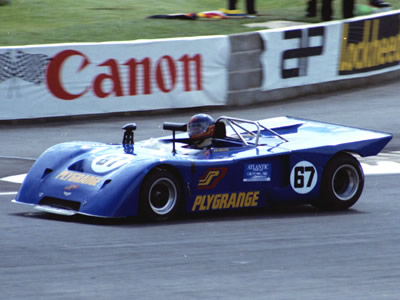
[{"x": 285, "y": 253}]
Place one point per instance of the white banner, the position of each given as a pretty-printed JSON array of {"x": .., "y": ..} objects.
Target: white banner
[
  {"x": 300, "y": 56},
  {"x": 331, "y": 51},
  {"x": 76, "y": 79}
]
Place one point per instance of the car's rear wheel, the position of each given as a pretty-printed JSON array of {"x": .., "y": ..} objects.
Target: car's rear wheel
[
  {"x": 342, "y": 183},
  {"x": 160, "y": 195}
]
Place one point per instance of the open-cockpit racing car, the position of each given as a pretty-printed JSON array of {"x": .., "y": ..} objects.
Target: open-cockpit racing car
[{"x": 281, "y": 160}]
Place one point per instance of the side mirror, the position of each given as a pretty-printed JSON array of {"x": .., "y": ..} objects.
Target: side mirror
[{"x": 128, "y": 139}]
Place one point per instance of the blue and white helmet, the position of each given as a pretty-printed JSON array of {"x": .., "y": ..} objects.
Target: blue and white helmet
[{"x": 201, "y": 126}]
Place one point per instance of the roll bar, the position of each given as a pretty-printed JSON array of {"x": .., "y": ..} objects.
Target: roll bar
[{"x": 237, "y": 123}]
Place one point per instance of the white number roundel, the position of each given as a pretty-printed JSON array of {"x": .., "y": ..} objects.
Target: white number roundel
[
  {"x": 303, "y": 177},
  {"x": 106, "y": 163}
]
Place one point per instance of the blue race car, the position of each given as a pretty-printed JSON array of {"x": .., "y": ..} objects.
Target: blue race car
[{"x": 244, "y": 164}]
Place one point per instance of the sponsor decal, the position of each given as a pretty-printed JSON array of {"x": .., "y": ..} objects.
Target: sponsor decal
[
  {"x": 369, "y": 45},
  {"x": 211, "y": 178},
  {"x": 226, "y": 201},
  {"x": 77, "y": 177},
  {"x": 303, "y": 177},
  {"x": 257, "y": 172},
  {"x": 162, "y": 74},
  {"x": 71, "y": 187},
  {"x": 109, "y": 162},
  {"x": 216, "y": 150}
]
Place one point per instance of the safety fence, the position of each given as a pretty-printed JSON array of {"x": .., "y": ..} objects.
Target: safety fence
[{"x": 268, "y": 65}]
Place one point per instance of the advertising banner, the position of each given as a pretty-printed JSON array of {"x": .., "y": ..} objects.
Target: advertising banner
[
  {"x": 331, "y": 51},
  {"x": 78, "y": 79},
  {"x": 370, "y": 45},
  {"x": 300, "y": 56}
]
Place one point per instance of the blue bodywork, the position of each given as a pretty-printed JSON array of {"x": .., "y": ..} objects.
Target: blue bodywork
[{"x": 104, "y": 180}]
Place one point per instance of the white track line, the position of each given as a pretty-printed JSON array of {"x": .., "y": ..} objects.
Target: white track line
[
  {"x": 14, "y": 179},
  {"x": 8, "y": 193},
  {"x": 381, "y": 168}
]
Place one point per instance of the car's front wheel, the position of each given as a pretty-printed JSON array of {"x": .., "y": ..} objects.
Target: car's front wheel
[
  {"x": 342, "y": 183},
  {"x": 160, "y": 195}
]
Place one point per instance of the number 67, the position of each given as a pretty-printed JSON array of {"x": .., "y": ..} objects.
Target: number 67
[{"x": 302, "y": 175}]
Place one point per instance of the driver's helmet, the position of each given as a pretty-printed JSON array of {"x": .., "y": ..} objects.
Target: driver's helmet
[{"x": 201, "y": 126}]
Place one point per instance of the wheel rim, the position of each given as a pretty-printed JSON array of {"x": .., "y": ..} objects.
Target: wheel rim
[
  {"x": 162, "y": 196},
  {"x": 345, "y": 182}
]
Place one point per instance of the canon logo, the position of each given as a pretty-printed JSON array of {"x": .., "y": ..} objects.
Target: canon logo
[{"x": 161, "y": 74}]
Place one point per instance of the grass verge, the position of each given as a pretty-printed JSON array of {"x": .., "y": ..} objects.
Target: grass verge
[{"x": 28, "y": 22}]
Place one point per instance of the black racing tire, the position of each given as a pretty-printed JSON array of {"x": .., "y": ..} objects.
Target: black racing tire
[
  {"x": 160, "y": 196},
  {"x": 342, "y": 183}
]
